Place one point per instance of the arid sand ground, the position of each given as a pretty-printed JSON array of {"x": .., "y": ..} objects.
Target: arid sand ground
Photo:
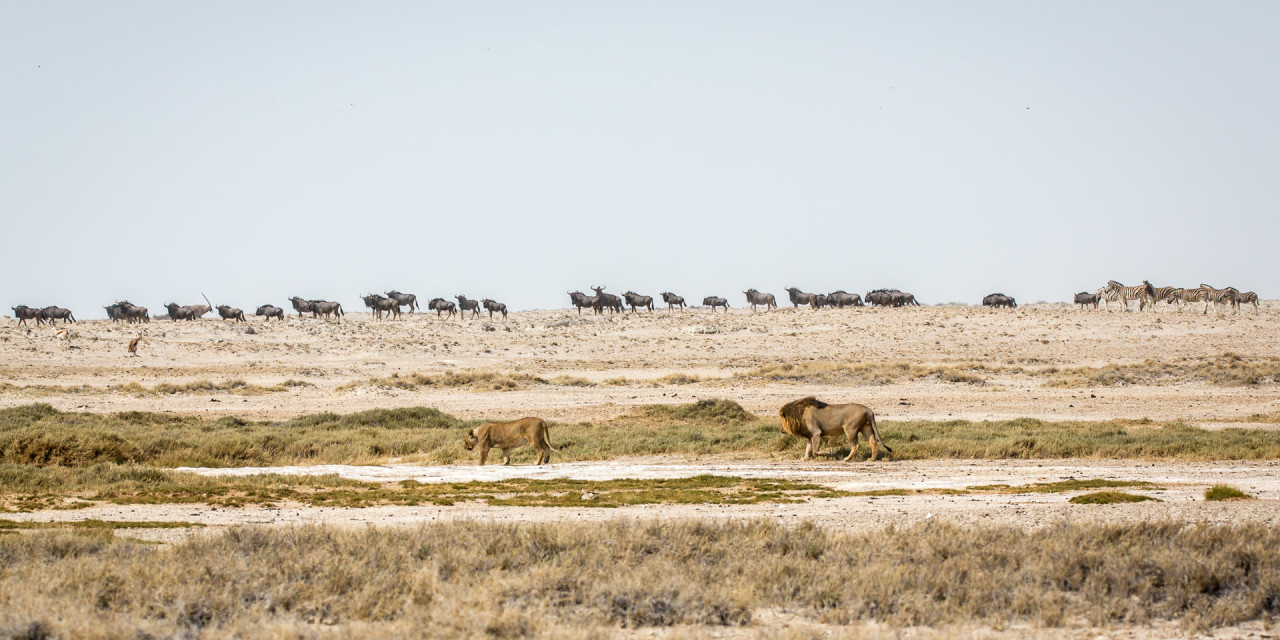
[{"x": 570, "y": 368}]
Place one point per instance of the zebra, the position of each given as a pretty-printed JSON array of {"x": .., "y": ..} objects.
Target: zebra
[
  {"x": 1229, "y": 295},
  {"x": 1107, "y": 295},
  {"x": 1164, "y": 294},
  {"x": 1195, "y": 295},
  {"x": 1249, "y": 297},
  {"x": 1143, "y": 293}
]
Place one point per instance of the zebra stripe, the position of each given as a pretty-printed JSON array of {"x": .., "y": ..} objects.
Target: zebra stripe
[
  {"x": 1227, "y": 296},
  {"x": 1249, "y": 297},
  {"x": 1141, "y": 293}
]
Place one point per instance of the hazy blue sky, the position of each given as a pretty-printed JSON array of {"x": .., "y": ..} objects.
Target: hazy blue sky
[{"x": 258, "y": 150}]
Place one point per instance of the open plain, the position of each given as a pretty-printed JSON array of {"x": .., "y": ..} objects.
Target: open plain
[{"x": 1174, "y": 402}]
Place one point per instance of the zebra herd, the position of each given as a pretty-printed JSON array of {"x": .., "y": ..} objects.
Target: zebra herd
[{"x": 1148, "y": 295}]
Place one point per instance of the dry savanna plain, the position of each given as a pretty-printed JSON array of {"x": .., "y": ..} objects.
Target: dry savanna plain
[{"x": 1054, "y": 473}]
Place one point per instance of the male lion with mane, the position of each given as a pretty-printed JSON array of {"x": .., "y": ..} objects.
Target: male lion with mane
[
  {"x": 811, "y": 418},
  {"x": 508, "y": 436}
]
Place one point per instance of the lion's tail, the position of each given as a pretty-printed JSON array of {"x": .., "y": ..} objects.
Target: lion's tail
[
  {"x": 876, "y": 431},
  {"x": 547, "y": 430},
  {"x": 793, "y": 412}
]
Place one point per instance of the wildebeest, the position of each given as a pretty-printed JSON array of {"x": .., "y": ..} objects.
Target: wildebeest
[
  {"x": 672, "y": 301},
  {"x": 24, "y": 313},
  {"x": 440, "y": 305},
  {"x": 1085, "y": 298},
  {"x": 606, "y": 301},
  {"x": 326, "y": 308},
  {"x": 636, "y": 300},
  {"x": 820, "y": 301},
  {"x": 404, "y": 299},
  {"x": 998, "y": 300},
  {"x": 230, "y": 313},
  {"x": 52, "y": 314},
  {"x": 379, "y": 305},
  {"x": 580, "y": 300},
  {"x": 178, "y": 312},
  {"x": 302, "y": 306},
  {"x": 713, "y": 302},
  {"x": 270, "y": 311},
  {"x": 755, "y": 298},
  {"x": 891, "y": 298},
  {"x": 799, "y": 297},
  {"x": 465, "y": 305},
  {"x": 132, "y": 312},
  {"x": 841, "y": 299},
  {"x": 492, "y": 305}
]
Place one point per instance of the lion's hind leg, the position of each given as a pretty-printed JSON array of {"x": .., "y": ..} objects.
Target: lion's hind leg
[{"x": 853, "y": 444}]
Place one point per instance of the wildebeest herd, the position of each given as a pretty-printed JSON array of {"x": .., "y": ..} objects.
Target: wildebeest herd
[{"x": 392, "y": 304}]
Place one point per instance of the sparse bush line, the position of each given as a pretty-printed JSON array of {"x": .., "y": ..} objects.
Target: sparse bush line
[{"x": 546, "y": 580}]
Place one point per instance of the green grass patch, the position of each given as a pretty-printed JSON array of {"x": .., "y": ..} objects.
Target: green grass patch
[
  {"x": 1063, "y": 486},
  {"x": 6, "y": 524},
  {"x": 715, "y": 412},
  {"x": 1109, "y": 497},
  {"x": 1225, "y": 492},
  {"x": 31, "y": 488},
  {"x": 41, "y": 435}
]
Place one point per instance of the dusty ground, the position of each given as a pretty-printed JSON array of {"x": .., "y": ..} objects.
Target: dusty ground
[
  {"x": 648, "y": 346},
  {"x": 640, "y": 348}
]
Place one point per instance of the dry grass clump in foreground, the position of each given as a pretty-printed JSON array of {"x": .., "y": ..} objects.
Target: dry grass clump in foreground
[{"x": 472, "y": 579}]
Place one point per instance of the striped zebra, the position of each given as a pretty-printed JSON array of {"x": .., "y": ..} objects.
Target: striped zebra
[
  {"x": 1107, "y": 296},
  {"x": 1249, "y": 297},
  {"x": 1144, "y": 293},
  {"x": 1164, "y": 294},
  {"x": 1227, "y": 296},
  {"x": 1176, "y": 297},
  {"x": 1196, "y": 295}
]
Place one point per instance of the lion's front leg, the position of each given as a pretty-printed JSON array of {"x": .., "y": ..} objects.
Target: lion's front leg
[
  {"x": 484, "y": 454},
  {"x": 815, "y": 443}
]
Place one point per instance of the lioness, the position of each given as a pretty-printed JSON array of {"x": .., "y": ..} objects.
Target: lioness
[
  {"x": 811, "y": 418},
  {"x": 510, "y": 435}
]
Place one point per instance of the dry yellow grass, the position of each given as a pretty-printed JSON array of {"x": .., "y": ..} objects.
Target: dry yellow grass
[{"x": 473, "y": 579}]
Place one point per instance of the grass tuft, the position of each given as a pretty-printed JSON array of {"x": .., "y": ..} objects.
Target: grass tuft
[
  {"x": 1109, "y": 497},
  {"x": 1225, "y": 492}
]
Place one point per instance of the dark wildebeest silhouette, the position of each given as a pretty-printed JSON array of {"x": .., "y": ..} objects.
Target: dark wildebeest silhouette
[
  {"x": 465, "y": 305},
  {"x": 404, "y": 299},
  {"x": 799, "y": 297},
  {"x": 132, "y": 312},
  {"x": 998, "y": 300},
  {"x": 606, "y": 301},
  {"x": 636, "y": 300},
  {"x": 440, "y": 305},
  {"x": 755, "y": 298},
  {"x": 381, "y": 305},
  {"x": 302, "y": 306},
  {"x": 230, "y": 313},
  {"x": 891, "y": 298},
  {"x": 52, "y": 314},
  {"x": 672, "y": 301},
  {"x": 840, "y": 299},
  {"x": 270, "y": 311},
  {"x": 1085, "y": 298},
  {"x": 820, "y": 301},
  {"x": 493, "y": 305},
  {"x": 326, "y": 308},
  {"x": 713, "y": 302},
  {"x": 178, "y": 312},
  {"x": 24, "y": 313},
  {"x": 580, "y": 300}
]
